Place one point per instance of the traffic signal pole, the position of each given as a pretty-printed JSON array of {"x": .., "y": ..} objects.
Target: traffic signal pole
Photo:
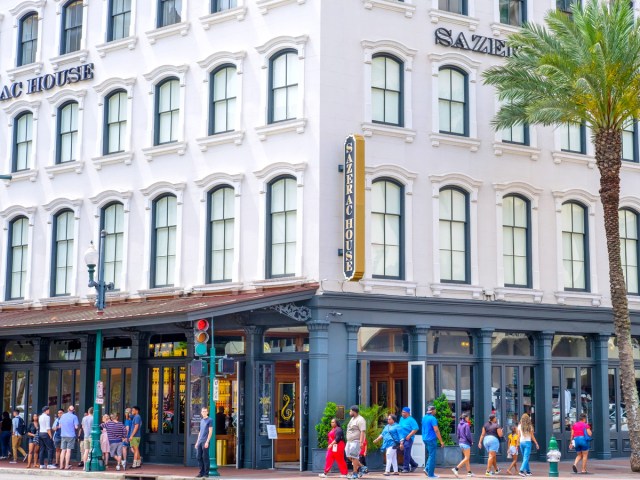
[{"x": 213, "y": 446}]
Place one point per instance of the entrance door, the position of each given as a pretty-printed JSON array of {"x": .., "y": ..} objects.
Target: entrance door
[
  {"x": 166, "y": 414},
  {"x": 287, "y": 416},
  {"x": 17, "y": 392},
  {"x": 304, "y": 417},
  {"x": 265, "y": 384}
]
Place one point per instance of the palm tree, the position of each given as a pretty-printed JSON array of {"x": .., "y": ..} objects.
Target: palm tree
[{"x": 584, "y": 68}]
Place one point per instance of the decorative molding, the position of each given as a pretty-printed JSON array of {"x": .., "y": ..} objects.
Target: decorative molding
[
  {"x": 594, "y": 299},
  {"x": 389, "y": 46},
  {"x": 178, "y": 148},
  {"x": 220, "y": 58},
  {"x": 279, "y": 43},
  {"x": 108, "y": 196},
  {"x": 237, "y": 13},
  {"x": 569, "y": 157},
  {"x": 79, "y": 56},
  {"x": 438, "y": 16},
  {"x": 220, "y": 178},
  {"x": 394, "y": 171},
  {"x": 121, "y": 44},
  {"x": 518, "y": 294},
  {"x": 500, "y": 148},
  {"x": 158, "y": 73},
  {"x": 112, "y": 159},
  {"x": 279, "y": 282},
  {"x": 298, "y": 313},
  {"x": 471, "y": 291},
  {"x": 406, "y": 8},
  {"x": 181, "y": 28},
  {"x": 232, "y": 287},
  {"x": 19, "y": 210},
  {"x": 27, "y": 6},
  {"x": 281, "y": 168},
  {"x": 473, "y": 144},
  {"x": 161, "y": 292},
  {"x": 20, "y": 106},
  {"x": 369, "y": 285},
  {"x": 369, "y": 128},
  {"x": 153, "y": 190},
  {"x": 65, "y": 95},
  {"x": 31, "y": 69},
  {"x": 295, "y": 125},
  {"x": 631, "y": 202},
  {"x": 62, "y": 203},
  {"x": 115, "y": 83},
  {"x": 589, "y": 199},
  {"x": 66, "y": 167},
  {"x": 220, "y": 139},
  {"x": 529, "y": 191},
  {"x": 266, "y": 5},
  {"x": 501, "y": 29},
  {"x": 461, "y": 60},
  {"x": 22, "y": 176}
]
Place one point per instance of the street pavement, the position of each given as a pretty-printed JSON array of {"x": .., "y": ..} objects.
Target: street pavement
[{"x": 617, "y": 469}]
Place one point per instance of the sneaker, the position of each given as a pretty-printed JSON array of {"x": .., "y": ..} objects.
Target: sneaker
[
  {"x": 322, "y": 475},
  {"x": 488, "y": 473},
  {"x": 118, "y": 468},
  {"x": 455, "y": 472},
  {"x": 529, "y": 474},
  {"x": 469, "y": 474},
  {"x": 13, "y": 461},
  {"x": 522, "y": 474},
  {"x": 386, "y": 474},
  {"x": 51, "y": 467},
  {"x": 498, "y": 471},
  {"x": 434, "y": 476}
]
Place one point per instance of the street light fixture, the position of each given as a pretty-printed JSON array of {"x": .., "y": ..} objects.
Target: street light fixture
[
  {"x": 93, "y": 258},
  {"x": 5, "y": 177}
]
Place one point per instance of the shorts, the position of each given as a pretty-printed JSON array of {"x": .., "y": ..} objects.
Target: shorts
[
  {"x": 115, "y": 449},
  {"x": 464, "y": 446},
  {"x": 57, "y": 442},
  {"x": 135, "y": 441},
  {"x": 580, "y": 444},
  {"x": 86, "y": 444},
  {"x": 68, "y": 443},
  {"x": 513, "y": 450},
  {"x": 491, "y": 443},
  {"x": 352, "y": 450}
]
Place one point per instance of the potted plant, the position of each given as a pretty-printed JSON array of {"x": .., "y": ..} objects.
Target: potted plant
[
  {"x": 450, "y": 454},
  {"x": 376, "y": 418},
  {"x": 322, "y": 428}
]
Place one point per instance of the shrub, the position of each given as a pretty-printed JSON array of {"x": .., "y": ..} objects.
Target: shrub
[
  {"x": 445, "y": 418},
  {"x": 323, "y": 427}
]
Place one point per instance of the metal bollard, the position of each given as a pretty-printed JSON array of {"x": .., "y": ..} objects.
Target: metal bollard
[{"x": 553, "y": 457}]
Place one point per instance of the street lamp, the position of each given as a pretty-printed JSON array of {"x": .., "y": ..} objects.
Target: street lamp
[{"x": 93, "y": 258}]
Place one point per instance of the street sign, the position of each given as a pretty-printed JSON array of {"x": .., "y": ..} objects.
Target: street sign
[
  {"x": 216, "y": 390},
  {"x": 100, "y": 393},
  {"x": 272, "y": 432}
]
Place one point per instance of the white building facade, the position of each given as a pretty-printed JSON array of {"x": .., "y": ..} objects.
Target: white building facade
[{"x": 205, "y": 138}]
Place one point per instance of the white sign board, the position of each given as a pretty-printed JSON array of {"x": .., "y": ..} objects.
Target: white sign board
[
  {"x": 216, "y": 390},
  {"x": 272, "y": 432},
  {"x": 100, "y": 401}
]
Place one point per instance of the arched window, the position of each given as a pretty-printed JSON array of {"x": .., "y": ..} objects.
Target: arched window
[
  {"x": 119, "y": 19},
  {"x": 163, "y": 246},
  {"x": 386, "y": 90},
  {"x": 629, "y": 253},
  {"x": 220, "y": 238},
  {"x": 167, "y": 111},
  {"x": 516, "y": 242},
  {"x": 62, "y": 255},
  {"x": 281, "y": 227},
  {"x": 574, "y": 138},
  {"x": 27, "y": 39},
  {"x": 17, "y": 258},
  {"x": 387, "y": 235},
  {"x": 283, "y": 86},
  {"x": 220, "y": 5},
  {"x": 223, "y": 100},
  {"x": 71, "y": 27},
  {"x": 112, "y": 221},
  {"x": 115, "y": 122},
  {"x": 454, "y": 235},
  {"x": 67, "y": 148},
  {"x": 575, "y": 247},
  {"x": 454, "y": 6},
  {"x": 169, "y": 12},
  {"x": 453, "y": 101},
  {"x": 22, "y": 141}
]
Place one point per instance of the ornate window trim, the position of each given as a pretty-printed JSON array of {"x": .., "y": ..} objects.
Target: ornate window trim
[
  {"x": 181, "y": 28},
  {"x": 12, "y": 112},
  {"x": 266, "y": 5},
  {"x": 128, "y": 42},
  {"x": 56, "y": 101},
  {"x": 209, "y": 19},
  {"x": 80, "y": 55},
  {"x": 19, "y": 12},
  {"x": 403, "y": 6}
]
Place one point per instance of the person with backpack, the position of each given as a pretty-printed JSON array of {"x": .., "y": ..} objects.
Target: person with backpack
[{"x": 19, "y": 429}]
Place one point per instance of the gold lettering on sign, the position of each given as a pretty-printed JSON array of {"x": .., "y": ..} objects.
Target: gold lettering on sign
[{"x": 353, "y": 225}]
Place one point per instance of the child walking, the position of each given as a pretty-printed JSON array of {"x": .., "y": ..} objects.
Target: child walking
[{"x": 514, "y": 443}]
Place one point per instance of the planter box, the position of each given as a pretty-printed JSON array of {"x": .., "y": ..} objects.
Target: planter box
[
  {"x": 318, "y": 459},
  {"x": 448, "y": 456}
]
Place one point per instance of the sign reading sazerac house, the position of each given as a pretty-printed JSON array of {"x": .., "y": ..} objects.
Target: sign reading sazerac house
[
  {"x": 475, "y": 43},
  {"x": 47, "y": 82},
  {"x": 353, "y": 226}
]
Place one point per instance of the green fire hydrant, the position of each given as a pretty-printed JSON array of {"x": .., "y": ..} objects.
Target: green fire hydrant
[{"x": 553, "y": 457}]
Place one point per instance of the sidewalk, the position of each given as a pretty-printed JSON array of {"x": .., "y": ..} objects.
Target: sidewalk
[{"x": 617, "y": 469}]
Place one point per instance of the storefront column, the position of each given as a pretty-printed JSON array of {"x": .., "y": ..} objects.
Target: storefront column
[
  {"x": 253, "y": 351},
  {"x": 139, "y": 350},
  {"x": 419, "y": 342},
  {"x": 544, "y": 410},
  {"x": 601, "y": 441},
  {"x": 318, "y": 376},
  {"x": 87, "y": 349},
  {"x": 483, "y": 392},
  {"x": 40, "y": 378},
  {"x": 352, "y": 362}
]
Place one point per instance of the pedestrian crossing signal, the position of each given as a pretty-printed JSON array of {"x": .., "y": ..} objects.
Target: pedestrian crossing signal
[{"x": 201, "y": 337}]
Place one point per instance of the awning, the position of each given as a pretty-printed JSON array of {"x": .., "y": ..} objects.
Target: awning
[{"x": 144, "y": 312}]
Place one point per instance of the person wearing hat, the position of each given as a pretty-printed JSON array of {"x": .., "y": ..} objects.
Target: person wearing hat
[
  {"x": 46, "y": 439},
  {"x": 408, "y": 429},
  {"x": 431, "y": 437}
]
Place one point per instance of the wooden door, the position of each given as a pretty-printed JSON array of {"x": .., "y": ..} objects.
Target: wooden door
[{"x": 287, "y": 417}]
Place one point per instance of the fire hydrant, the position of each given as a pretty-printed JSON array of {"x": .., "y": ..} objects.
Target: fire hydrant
[{"x": 553, "y": 457}]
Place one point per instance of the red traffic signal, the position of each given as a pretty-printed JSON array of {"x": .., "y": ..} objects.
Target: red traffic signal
[
  {"x": 202, "y": 324},
  {"x": 201, "y": 337}
]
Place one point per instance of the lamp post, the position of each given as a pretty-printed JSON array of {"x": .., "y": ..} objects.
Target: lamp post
[
  {"x": 93, "y": 258},
  {"x": 213, "y": 464}
]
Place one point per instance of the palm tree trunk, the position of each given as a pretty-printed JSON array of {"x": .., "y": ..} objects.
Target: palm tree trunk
[{"x": 608, "y": 145}]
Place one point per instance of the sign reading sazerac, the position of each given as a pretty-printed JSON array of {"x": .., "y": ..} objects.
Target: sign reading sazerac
[
  {"x": 353, "y": 255},
  {"x": 47, "y": 82},
  {"x": 477, "y": 43}
]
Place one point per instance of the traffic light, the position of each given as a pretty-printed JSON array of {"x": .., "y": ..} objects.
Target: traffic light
[{"x": 201, "y": 337}]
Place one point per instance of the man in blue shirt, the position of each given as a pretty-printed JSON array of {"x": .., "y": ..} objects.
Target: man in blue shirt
[
  {"x": 431, "y": 436},
  {"x": 408, "y": 429},
  {"x": 68, "y": 426},
  {"x": 202, "y": 444}
]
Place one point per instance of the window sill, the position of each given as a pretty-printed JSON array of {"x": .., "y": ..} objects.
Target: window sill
[
  {"x": 632, "y": 166},
  {"x": 392, "y": 5},
  {"x": 161, "y": 292},
  {"x": 216, "y": 288},
  {"x": 459, "y": 289},
  {"x": 181, "y": 28},
  {"x": 237, "y": 13},
  {"x": 279, "y": 282},
  {"x": 73, "y": 57},
  {"x": 473, "y": 144},
  {"x": 22, "y": 176},
  {"x": 112, "y": 296},
  {"x": 407, "y": 134},
  {"x": 518, "y": 294},
  {"x": 568, "y": 157},
  {"x": 578, "y": 298},
  {"x": 31, "y": 69},
  {"x": 61, "y": 300},
  {"x": 448, "y": 17},
  {"x": 219, "y": 139},
  {"x": 502, "y": 29},
  {"x": 20, "y": 304},
  {"x": 112, "y": 159},
  {"x": 382, "y": 285},
  {"x": 295, "y": 125},
  {"x": 159, "y": 150},
  {"x": 500, "y": 148},
  {"x": 634, "y": 301},
  {"x": 121, "y": 44},
  {"x": 66, "y": 167},
  {"x": 266, "y": 5}
]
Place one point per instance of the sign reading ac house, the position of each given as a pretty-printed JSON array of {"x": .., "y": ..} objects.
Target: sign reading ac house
[
  {"x": 353, "y": 213},
  {"x": 47, "y": 82},
  {"x": 474, "y": 43}
]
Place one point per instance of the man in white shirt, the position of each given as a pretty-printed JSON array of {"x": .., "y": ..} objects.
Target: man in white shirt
[{"x": 45, "y": 435}]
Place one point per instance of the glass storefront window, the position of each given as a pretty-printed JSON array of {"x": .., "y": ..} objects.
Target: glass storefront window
[
  {"x": 466, "y": 392},
  {"x": 569, "y": 397},
  {"x": 65, "y": 350},
  {"x": 18, "y": 351},
  {"x": 383, "y": 340},
  {"x": 430, "y": 387},
  {"x": 16, "y": 392},
  {"x": 6, "y": 391},
  {"x": 613, "y": 348},
  {"x": 574, "y": 346},
  {"x": 586, "y": 394},
  {"x": 511, "y": 344},
  {"x": 613, "y": 401},
  {"x": 116, "y": 347},
  {"x": 449, "y": 342},
  {"x": 168, "y": 345},
  {"x": 448, "y": 380},
  {"x": 529, "y": 392},
  {"x": 53, "y": 396},
  {"x": 555, "y": 398},
  {"x": 228, "y": 343},
  {"x": 287, "y": 339}
]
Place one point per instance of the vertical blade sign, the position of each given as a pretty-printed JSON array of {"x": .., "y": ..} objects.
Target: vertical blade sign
[{"x": 353, "y": 213}]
